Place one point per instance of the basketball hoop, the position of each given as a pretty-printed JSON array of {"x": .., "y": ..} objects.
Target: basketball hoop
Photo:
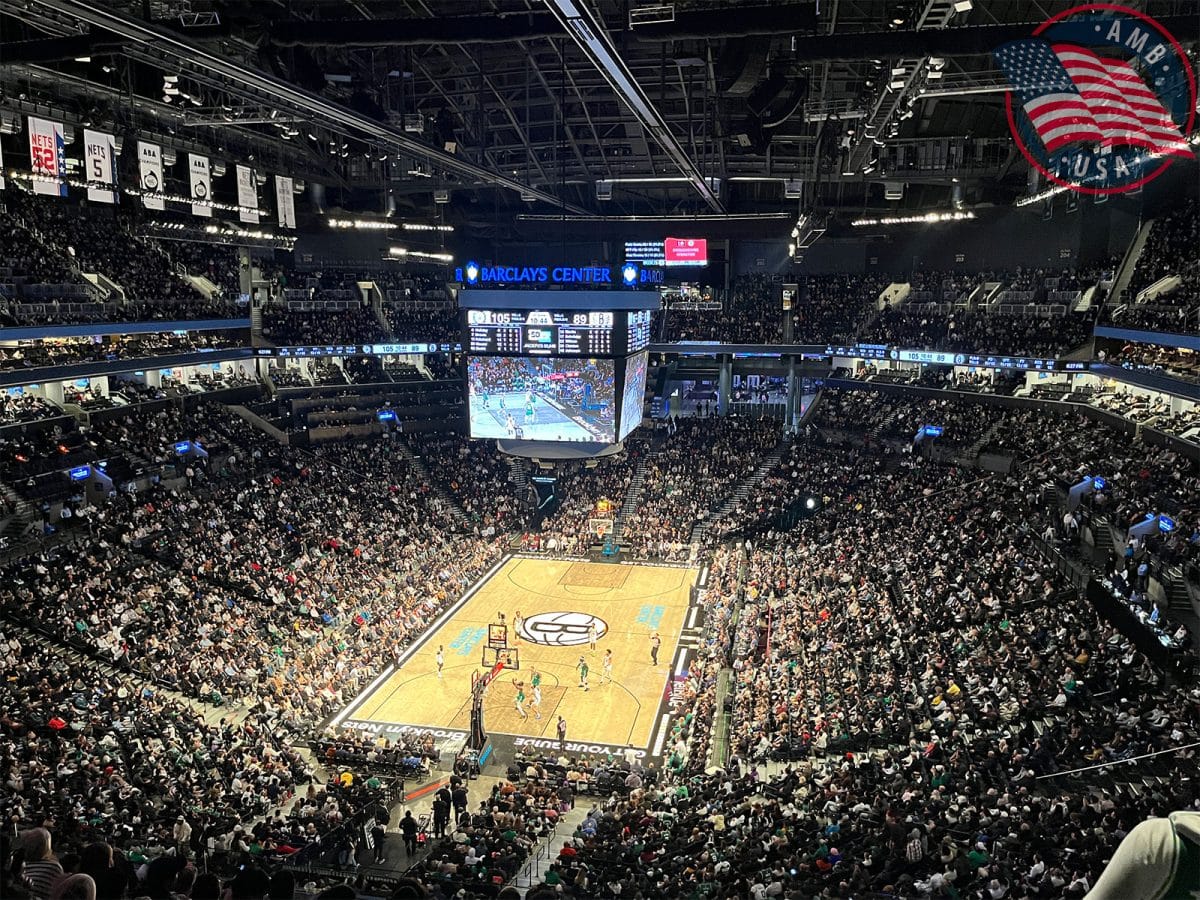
[{"x": 600, "y": 528}]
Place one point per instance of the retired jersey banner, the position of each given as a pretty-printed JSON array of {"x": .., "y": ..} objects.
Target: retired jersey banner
[
  {"x": 285, "y": 201},
  {"x": 150, "y": 174},
  {"x": 48, "y": 157},
  {"x": 100, "y": 164},
  {"x": 247, "y": 186},
  {"x": 201, "y": 185}
]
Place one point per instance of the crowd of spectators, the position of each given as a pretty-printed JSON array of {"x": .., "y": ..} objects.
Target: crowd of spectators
[
  {"x": 348, "y": 326},
  {"x": 751, "y": 314},
  {"x": 1174, "y": 361},
  {"x": 836, "y": 308},
  {"x": 918, "y": 762},
  {"x": 977, "y": 331},
  {"x": 477, "y": 476},
  {"x": 25, "y": 407},
  {"x": 690, "y": 477},
  {"x": 106, "y": 241},
  {"x": 65, "y": 351},
  {"x": 274, "y": 583},
  {"x": 216, "y": 262},
  {"x": 409, "y": 323},
  {"x": 580, "y": 490},
  {"x": 1051, "y": 446},
  {"x": 1172, "y": 248}
]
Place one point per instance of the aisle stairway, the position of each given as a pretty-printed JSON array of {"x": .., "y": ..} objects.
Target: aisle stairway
[
  {"x": 20, "y": 520},
  {"x": 982, "y": 441},
  {"x": 546, "y": 850},
  {"x": 456, "y": 511},
  {"x": 633, "y": 497},
  {"x": 883, "y": 424},
  {"x": 702, "y": 526}
]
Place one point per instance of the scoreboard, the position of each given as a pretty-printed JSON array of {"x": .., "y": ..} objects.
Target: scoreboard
[
  {"x": 583, "y": 333},
  {"x": 639, "y": 330}
]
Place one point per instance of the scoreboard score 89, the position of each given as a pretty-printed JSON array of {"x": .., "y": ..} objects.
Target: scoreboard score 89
[{"x": 584, "y": 333}]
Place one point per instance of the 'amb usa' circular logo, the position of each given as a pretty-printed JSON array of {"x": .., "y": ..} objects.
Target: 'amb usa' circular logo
[
  {"x": 1103, "y": 99},
  {"x": 562, "y": 629}
]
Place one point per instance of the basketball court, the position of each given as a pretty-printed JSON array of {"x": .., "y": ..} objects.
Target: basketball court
[{"x": 560, "y": 602}]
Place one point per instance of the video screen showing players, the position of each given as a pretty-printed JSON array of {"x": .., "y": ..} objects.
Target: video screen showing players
[
  {"x": 520, "y": 398},
  {"x": 633, "y": 396}
]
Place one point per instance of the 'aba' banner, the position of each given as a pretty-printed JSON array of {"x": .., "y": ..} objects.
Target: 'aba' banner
[
  {"x": 150, "y": 174},
  {"x": 48, "y": 157},
  {"x": 100, "y": 163},
  {"x": 201, "y": 185},
  {"x": 247, "y": 187},
  {"x": 285, "y": 201}
]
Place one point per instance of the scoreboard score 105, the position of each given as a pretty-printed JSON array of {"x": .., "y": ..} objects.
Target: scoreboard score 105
[{"x": 584, "y": 333}]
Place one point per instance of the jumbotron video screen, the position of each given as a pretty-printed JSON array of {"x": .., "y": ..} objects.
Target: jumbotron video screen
[
  {"x": 633, "y": 393},
  {"x": 523, "y": 398}
]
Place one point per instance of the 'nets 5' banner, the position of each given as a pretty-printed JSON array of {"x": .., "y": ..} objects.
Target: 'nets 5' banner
[
  {"x": 150, "y": 174},
  {"x": 100, "y": 163},
  {"x": 48, "y": 157},
  {"x": 201, "y": 185}
]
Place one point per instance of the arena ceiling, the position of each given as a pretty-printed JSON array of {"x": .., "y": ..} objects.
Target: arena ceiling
[{"x": 592, "y": 107}]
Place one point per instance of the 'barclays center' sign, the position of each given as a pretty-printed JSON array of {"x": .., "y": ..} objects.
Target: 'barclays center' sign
[{"x": 629, "y": 275}]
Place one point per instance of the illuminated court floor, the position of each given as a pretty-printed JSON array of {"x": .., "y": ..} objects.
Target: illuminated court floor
[{"x": 558, "y": 599}]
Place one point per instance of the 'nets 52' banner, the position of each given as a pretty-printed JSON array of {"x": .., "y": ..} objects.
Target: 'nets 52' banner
[
  {"x": 150, "y": 174},
  {"x": 201, "y": 185},
  {"x": 100, "y": 164},
  {"x": 48, "y": 157}
]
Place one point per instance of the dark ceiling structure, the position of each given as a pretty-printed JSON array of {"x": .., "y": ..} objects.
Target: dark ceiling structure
[{"x": 581, "y": 108}]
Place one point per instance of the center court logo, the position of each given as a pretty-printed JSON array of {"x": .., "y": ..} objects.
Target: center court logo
[
  {"x": 1103, "y": 99},
  {"x": 561, "y": 629}
]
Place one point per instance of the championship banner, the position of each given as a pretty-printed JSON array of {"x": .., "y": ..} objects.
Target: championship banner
[
  {"x": 48, "y": 157},
  {"x": 100, "y": 163},
  {"x": 150, "y": 174},
  {"x": 247, "y": 187},
  {"x": 201, "y": 186},
  {"x": 285, "y": 201}
]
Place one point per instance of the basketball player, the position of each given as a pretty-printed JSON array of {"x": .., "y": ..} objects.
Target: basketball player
[
  {"x": 582, "y": 666},
  {"x": 592, "y": 636},
  {"x": 655, "y": 643},
  {"x": 608, "y": 661},
  {"x": 518, "y": 621},
  {"x": 441, "y": 660},
  {"x": 536, "y": 702},
  {"x": 510, "y": 426},
  {"x": 519, "y": 701}
]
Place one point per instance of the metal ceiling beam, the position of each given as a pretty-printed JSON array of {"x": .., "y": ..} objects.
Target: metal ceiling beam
[
  {"x": 151, "y": 38},
  {"x": 741, "y": 21},
  {"x": 589, "y": 34}
]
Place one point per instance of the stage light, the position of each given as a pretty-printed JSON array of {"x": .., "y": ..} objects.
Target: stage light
[{"x": 810, "y": 503}]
